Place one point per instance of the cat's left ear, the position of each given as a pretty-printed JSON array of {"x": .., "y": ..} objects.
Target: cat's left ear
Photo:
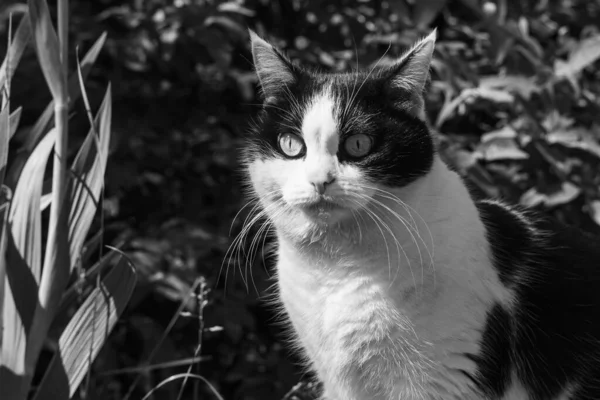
[
  {"x": 410, "y": 73},
  {"x": 275, "y": 72}
]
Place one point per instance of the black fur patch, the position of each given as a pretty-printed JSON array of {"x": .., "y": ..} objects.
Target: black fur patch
[
  {"x": 554, "y": 271},
  {"x": 508, "y": 237},
  {"x": 403, "y": 148},
  {"x": 494, "y": 363}
]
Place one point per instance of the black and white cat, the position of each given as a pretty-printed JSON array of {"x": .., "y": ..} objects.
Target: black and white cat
[{"x": 399, "y": 285}]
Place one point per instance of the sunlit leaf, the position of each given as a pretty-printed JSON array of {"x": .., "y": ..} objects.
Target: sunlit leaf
[
  {"x": 23, "y": 268},
  {"x": 89, "y": 165},
  {"x": 17, "y": 47},
  {"x": 579, "y": 138},
  {"x": 595, "y": 211},
  {"x": 4, "y": 138},
  {"x": 25, "y": 216},
  {"x": 74, "y": 92},
  {"x": 585, "y": 54},
  {"x": 513, "y": 83},
  {"x": 15, "y": 117},
  {"x": 46, "y": 46},
  {"x": 86, "y": 332},
  {"x": 565, "y": 194}
]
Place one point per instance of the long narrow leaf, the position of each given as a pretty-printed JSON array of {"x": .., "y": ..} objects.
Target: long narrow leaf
[
  {"x": 87, "y": 331},
  {"x": 47, "y": 48},
  {"x": 89, "y": 164},
  {"x": 4, "y": 138},
  {"x": 4, "y": 204},
  {"x": 15, "y": 117},
  {"x": 19, "y": 308},
  {"x": 25, "y": 215},
  {"x": 15, "y": 52},
  {"x": 74, "y": 92},
  {"x": 23, "y": 270}
]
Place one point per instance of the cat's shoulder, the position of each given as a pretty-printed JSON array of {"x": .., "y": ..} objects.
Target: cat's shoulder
[{"x": 521, "y": 237}]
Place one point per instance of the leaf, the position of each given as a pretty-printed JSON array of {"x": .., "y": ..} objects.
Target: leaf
[
  {"x": 23, "y": 270},
  {"x": 4, "y": 206},
  {"x": 4, "y": 138},
  {"x": 42, "y": 123},
  {"x": 86, "y": 332},
  {"x": 565, "y": 194},
  {"x": 89, "y": 165},
  {"x": 585, "y": 54},
  {"x": 25, "y": 216},
  {"x": 15, "y": 52},
  {"x": 234, "y": 7},
  {"x": 47, "y": 48},
  {"x": 595, "y": 211},
  {"x": 579, "y": 138},
  {"x": 15, "y": 118},
  {"x": 74, "y": 91},
  {"x": 513, "y": 83}
]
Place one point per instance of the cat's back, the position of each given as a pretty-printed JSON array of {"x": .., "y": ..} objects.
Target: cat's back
[{"x": 549, "y": 338}]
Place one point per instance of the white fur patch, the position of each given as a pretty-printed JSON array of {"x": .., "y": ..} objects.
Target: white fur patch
[{"x": 376, "y": 317}]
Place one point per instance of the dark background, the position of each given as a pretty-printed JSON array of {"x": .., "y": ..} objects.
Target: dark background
[{"x": 515, "y": 94}]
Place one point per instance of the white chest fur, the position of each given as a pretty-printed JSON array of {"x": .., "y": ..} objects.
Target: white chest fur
[{"x": 376, "y": 326}]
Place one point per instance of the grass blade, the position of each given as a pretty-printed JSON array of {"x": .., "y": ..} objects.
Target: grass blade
[
  {"x": 25, "y": 216},
  {"x": 4, "y": 138},
  {"x": 15, "y": 118},
  {"x": 89, "y": 164},
  {"x": 89, "y": 328},
  {"x": 74, "y": 92},
  {"x": 47, "y": 48},
  {"x": 15, "y": 52},
  {"x": 23, "y": 269}
]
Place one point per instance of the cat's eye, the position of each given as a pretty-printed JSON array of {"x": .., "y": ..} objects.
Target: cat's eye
[
  {"x": 291, "y": 145},
  {"x": 358, "y": 145}
]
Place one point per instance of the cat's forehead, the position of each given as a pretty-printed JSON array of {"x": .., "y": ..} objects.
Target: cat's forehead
[{"x": 320, "y": 126}]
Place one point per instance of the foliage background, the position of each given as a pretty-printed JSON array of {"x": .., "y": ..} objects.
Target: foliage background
[{"x": 514, "y": 94}]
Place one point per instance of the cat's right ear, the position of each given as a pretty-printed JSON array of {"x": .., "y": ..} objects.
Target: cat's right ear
[{"x": 274, "y": 70}]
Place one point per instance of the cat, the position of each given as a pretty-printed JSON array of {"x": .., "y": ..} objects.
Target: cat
[{"x": 398, "y": 282}]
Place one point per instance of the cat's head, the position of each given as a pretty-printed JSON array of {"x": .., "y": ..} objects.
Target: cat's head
[{"x": 326, "y": 145}]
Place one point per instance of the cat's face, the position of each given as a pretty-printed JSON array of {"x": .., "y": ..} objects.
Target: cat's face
[{"x": 328, "y": 145}]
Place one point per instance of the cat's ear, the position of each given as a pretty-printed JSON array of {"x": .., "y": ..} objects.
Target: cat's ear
[
  {"x": 274, "y": 70},
  {"x": 409, "y": 74}
]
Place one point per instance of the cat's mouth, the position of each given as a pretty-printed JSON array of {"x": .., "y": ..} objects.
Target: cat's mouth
[{"x": 321, "y": 206}]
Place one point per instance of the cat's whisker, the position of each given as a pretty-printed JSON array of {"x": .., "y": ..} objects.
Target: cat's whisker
[
  {"x": 399, "y": 246},
  {"x": 370, "y": 215},
  {"x": 236, "y": 245},
  {"x": 392, "y": 197},
  {"x": 407, "y": 226}
]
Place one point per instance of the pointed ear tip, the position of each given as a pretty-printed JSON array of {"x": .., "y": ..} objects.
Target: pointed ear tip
[{"x": 433, "y": 34}]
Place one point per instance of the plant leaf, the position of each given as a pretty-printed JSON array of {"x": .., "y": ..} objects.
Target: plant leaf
[
  {"x": 14, "y": 54},
  {"x": 46, "y": 46},
  {"x": 89, "y": 165},
  {"x": 595, "y": 211},
  {"x": 565, "y": 194},
  {"x": 4, "y": 138},
  {"x": 586, "y": 53},
  {"x": 23, "y": 269},
  {"x": 44, "y": 120},
  {"x": 513, "y": 83},
  {"x": 86, "y": 332},
  {"x": 25, "y": 216},
  {"x": 15, "y": 118},
  {"x": 74, "y": 92}
]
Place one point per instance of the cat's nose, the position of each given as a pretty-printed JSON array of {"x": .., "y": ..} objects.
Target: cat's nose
[{"x": 321, "y": 184}]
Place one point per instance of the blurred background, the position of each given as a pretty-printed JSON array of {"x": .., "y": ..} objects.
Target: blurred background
[{"x": 514, "y": 93}]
